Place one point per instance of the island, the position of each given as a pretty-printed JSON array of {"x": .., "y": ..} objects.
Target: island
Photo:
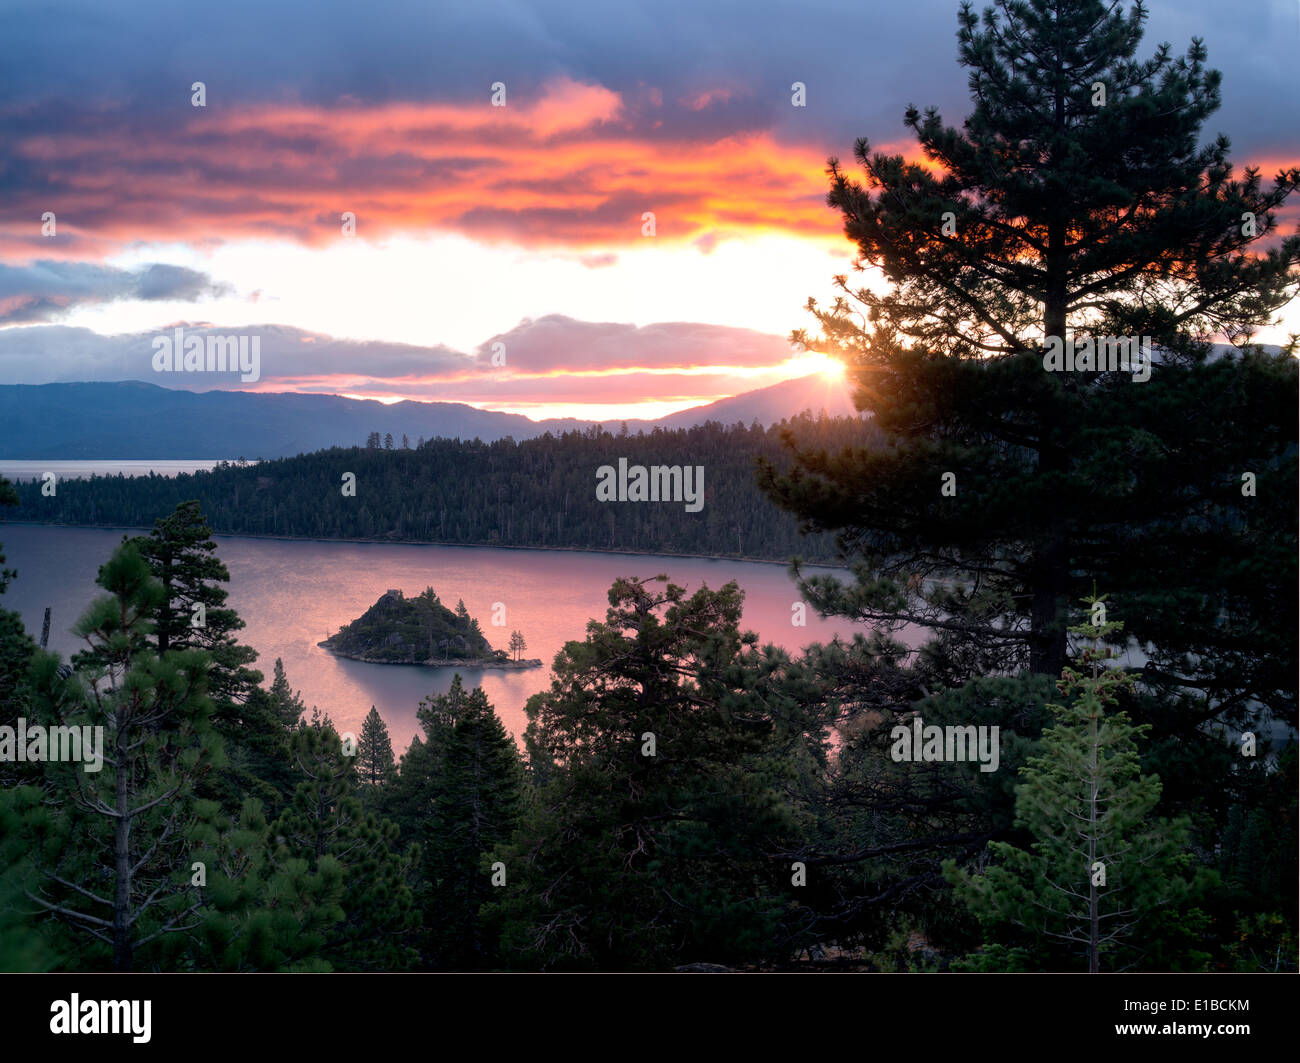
[{"x": 421, "y": 630}]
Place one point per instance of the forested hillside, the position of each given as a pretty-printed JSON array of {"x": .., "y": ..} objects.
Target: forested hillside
[{"x": 538, "y": 493}]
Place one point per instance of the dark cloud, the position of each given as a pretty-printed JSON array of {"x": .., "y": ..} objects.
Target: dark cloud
[
  {"x": 45, "y": 290},
  {"x": 862, "y": 62}
]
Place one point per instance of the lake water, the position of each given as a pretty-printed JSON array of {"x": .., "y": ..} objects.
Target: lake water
[
  {"x": 292, "y": 594},
  {"x": 80, "y": 470}
]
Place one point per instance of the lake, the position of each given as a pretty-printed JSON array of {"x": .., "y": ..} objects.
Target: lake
[
  {"x": 15, "y": 470},
  {"x": 294, "y": 593}
]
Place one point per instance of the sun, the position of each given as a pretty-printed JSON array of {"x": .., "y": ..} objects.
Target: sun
[
  {"x": 833, "y": 371},
  {"x": 814, "y": 363}
]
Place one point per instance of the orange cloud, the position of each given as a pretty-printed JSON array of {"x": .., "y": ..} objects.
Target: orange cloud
[
  {"x": 573, "y": 168},
  {"x": 568, "y": 168}
]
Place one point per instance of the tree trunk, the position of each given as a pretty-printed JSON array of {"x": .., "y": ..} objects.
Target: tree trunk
[
  {"x": 1094, "y": 920},
  {"x": 1049, "y": 568},
  {"x": 121, "y": 859}
]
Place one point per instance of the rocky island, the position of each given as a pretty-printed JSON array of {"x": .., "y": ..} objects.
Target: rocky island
[{"x": 421, "y": 630}]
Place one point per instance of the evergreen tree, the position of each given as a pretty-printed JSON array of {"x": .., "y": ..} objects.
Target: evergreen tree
[
  {"x": 882, "y": 827},
  {"x": 16, "y": 650},
  {"x": 372, "y": 441},
  {"x": 193, "y": 615},
  {"x": 107, "y": 850},
  {"x": 325, "y": 824},
  {"x": 1076, "y": 202},
  {"x": 457, "y": 794},
  {"x": 476, "y": 808},
  {"x": 388, "y": 440},
  {"x": 375, "y": 764},
  {"x": 263, "y": 910},
  {"x": 1099, "y": 864},
  {"x": 669, "y": 747},
  {"x": 286, "y": 702},
  {"x": 406, "y": 442}
]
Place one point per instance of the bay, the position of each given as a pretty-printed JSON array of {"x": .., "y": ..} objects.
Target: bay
[{"x": 294, "y": 593}]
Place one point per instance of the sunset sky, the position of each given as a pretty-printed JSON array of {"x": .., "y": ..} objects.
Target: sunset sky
[{"x": 478, "y": 224}]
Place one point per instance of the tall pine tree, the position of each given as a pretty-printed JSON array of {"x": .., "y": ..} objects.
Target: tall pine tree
[
  {"x": 375, "y": 764},
  {"x": 193, "y": 615},
  {"x": 458, "y": 795},
  {"x": 1076, "y": 202},
  {"x": 107, "y": 850}
]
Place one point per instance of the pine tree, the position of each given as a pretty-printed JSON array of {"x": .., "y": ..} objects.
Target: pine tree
[
  {"x": 517, "y": 644},
  {"x": 458, "y": 795},
  {"x": 286, "y": 702},
  {"x": 372, "y": 441},
  {"x": 476, "y": 808},
  {"x": 193, "y": 615},
  {"x": 16, "y": 650},
  {"x": 388, "y": 440},
  {"x": 1099, "y": 864},
  {"x": 406, "y": 442},
  {"x": 106, "y": 850},
  {"x": 375, "y": 764},
  {"x": 263, "y": 910},
  {"x": 668, "y": 746},
  {"x": 1076, "y": 200},
  {"x": 325, "y": 824}
]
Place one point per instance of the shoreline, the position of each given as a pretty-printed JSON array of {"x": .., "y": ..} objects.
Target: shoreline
[
  {"x": 505, "y": 666},
  {"x": 428, "y": 542}
]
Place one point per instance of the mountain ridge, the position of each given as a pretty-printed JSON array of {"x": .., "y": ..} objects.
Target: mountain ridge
[{"x": 85, "y": 420}]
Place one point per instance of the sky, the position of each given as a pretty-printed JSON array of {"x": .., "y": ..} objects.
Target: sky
[{"x": 633, "y": 228}]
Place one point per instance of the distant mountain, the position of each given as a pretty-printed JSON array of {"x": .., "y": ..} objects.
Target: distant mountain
[
  {"x": 132, "y": 419},
  {"x": 769, "y": 405},
  {"x": 138, "y": 420}
]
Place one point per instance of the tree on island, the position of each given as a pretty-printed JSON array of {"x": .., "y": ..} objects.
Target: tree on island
[
  {"x": 517, "y": 644},
  {"x": 1074, "y": 201}
]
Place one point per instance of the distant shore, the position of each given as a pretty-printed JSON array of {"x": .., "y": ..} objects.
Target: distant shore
[{"x": 430, "y": 542}]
